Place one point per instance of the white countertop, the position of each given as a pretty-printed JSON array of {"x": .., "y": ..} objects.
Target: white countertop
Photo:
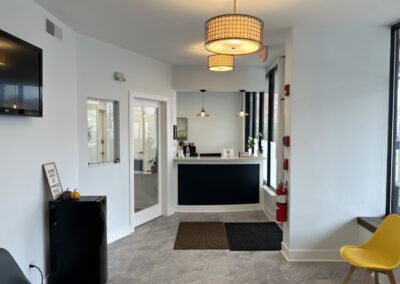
[{"x": 219, "y": 159}]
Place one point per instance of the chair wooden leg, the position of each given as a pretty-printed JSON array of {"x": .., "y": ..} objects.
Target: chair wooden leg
[
  {"x": 376, "y": 277},
  {"x": 367, "y": 275},
  {"x": 348, "y": 274},
  {"x": 392, "y": 280}
]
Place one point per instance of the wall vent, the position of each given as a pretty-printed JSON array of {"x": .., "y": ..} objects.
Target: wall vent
[{"x": 53, "y": 29}]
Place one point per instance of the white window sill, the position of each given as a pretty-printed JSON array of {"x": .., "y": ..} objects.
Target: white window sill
[
  {"x": 269, "y": 190},
  {"x": 102, "y": 164}
]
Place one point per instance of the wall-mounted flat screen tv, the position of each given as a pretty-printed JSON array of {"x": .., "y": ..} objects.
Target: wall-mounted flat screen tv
[{"x": 20, "y": 77}]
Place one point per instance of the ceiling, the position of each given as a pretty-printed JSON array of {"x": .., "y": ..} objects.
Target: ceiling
[{"x": 173, "y": 30}]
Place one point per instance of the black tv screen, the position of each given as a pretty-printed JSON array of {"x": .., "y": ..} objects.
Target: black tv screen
[{"x": 20, "y": 77}]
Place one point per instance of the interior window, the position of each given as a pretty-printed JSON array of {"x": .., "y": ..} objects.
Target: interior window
[{"x": 102, "y": 123}]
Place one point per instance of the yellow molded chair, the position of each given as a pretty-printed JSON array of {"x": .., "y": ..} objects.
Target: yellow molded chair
[{"x": 381, "y": 254}]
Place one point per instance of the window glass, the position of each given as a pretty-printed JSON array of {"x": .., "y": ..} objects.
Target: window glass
[
  {"x": 273, "y": 118},
  {"x": 392, "y": 203},
  {"x": 146, "y": 158},
  {"x": 257, "y": 120},
  {"x": 102, "y": 131},
  {"x": 273, "y": 165},
  {"x": 395, "y": 204},
  {"x": 145, "y": 135},
  {"x": 250, "y": 117},
  {"x": 265, "y": 132},
  {"x": 264, "y": 141},
  {"x": 257, "y": 126}
]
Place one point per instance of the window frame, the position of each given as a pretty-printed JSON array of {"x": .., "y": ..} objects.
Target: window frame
[
  {"x": 392, "y": 118},
  {"x": 270, "y": 135},
  {"x": 116, "y": 119},
  {"x": 250, "y": 120}
]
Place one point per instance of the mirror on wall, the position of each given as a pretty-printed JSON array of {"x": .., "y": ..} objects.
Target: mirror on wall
[{"x": 102, "y": 131}]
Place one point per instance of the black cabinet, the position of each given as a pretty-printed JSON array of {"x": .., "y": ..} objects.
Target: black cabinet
[
  {"x": 78, "y": 241},
  {"x": 218, "y": 184}
]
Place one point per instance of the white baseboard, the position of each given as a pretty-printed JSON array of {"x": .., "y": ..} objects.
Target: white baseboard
[
  {"x": 216, "y": 208},
  {"x": 269, "y": 215},
  {"x": 118, "y": 234},
  {"x": 311, "y": 255}
]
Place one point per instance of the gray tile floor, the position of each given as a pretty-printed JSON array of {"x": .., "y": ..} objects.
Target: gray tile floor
[{"x": 147, "y": 256}]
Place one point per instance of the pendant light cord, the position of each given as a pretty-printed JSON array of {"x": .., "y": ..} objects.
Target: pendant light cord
[
  {"x": 40, "y": 271},
  {"x": 234, "y": 6},
  {"x": 203, "y": 91},
  {"x": 243, "y": 92}
]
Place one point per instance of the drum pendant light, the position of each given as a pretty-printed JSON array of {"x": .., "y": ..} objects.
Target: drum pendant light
[
  {"x": 235, "y": 34},
  {"x": 203, "y": 112},
  {"x": 221, "y": 62},
  {"x": 242, "y": 113}
]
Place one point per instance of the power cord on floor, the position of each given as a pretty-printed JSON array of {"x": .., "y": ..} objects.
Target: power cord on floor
[{"x": 34, "y": 266}]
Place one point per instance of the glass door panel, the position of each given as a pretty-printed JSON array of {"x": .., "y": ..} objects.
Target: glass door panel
[{"x": 146, "y": 153}]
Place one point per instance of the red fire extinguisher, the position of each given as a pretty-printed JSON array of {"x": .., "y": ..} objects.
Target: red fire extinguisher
[{"x": 281, "y": 203}]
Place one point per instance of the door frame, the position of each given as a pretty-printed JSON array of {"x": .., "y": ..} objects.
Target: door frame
[{"x": 165, "y": 141}]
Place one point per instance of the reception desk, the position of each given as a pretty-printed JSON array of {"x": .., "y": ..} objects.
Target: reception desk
[{"x": 218, "y": 184}]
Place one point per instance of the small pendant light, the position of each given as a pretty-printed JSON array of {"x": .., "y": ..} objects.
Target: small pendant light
[
  {"x": 221, "y": 62},
  {"x": 203, "y": 112},
  {"x": 242, "y": 113}
]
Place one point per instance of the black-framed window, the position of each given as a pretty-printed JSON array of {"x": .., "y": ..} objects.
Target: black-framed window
[
  {"x": 262, "y": 108},
  {"x": 393, "y": 180},
  {"x": 270, "y": 138}
]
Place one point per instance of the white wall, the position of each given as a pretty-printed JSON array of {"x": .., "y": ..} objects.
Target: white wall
[
  {"x": 26, "y": 143},
  {"x": 97, "y": 61},
  {"x": 339, "y": 104},
  {"x": 73, "y": 69},
  {"x": 196, "y": 77},
  {"x": 223, "y": 129},
  {"x": 287, "y": 128}
]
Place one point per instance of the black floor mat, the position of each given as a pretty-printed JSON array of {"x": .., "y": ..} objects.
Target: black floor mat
[
  {"x": 201, "y": 235},
  {"x": 253, "y": 236}
]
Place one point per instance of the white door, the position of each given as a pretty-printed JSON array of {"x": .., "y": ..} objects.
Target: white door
[{"x": 146, "y": 152}]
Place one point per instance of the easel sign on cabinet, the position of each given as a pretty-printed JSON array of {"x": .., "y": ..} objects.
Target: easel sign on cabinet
[{"x": 53, "y": 180}]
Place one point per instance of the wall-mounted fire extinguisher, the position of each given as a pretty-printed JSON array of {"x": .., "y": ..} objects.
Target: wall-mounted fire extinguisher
[{"x": 281, "y": 203}]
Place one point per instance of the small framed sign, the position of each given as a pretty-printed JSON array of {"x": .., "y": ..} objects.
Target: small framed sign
[
  {"x": 227, "y": 153},
  {"x": 182, "y": 128},
  {"x": 53, "y": 180}
]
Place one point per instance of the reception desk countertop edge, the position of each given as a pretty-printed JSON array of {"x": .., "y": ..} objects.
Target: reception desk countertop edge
[{"x": 219, "y": 159}]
